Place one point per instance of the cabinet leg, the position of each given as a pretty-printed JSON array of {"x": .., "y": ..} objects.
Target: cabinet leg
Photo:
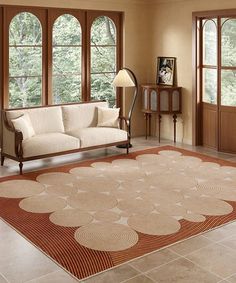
[
  {"x": 146, "y": 125},
  {"x": 21, "y": 167},
  {"x": 174, "y": 121},
  {"x": 2, "y": 159},
  {"x": 159, "y": 120},
  {"x": 150, "y": 124}
]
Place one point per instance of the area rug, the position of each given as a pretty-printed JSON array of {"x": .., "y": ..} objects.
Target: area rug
[{"x": 97, "y": 214}]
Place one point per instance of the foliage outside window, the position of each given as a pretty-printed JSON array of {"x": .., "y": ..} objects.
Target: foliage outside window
[
  {"x": 103, "y": 59},
  {"x": 210, "y": 61},
  {"x": 25, "y": 61},
  {"x": 59, "y": 56},
  {"x": 67, "y": 57},
  {"x": 228, "y": 54}
]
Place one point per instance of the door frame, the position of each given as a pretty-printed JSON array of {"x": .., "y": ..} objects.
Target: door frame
[{"x": 196, "y": 90}]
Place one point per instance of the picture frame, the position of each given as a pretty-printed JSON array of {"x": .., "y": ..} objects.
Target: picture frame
[{"x": 166, "y": 70}]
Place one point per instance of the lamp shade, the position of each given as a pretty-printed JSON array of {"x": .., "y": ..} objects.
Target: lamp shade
[{"x": 123, "y": 79}]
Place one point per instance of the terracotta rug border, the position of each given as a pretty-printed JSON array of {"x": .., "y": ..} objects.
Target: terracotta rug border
[
  {"x": 118, "y": 265},
  {"x": 87, "y": 162},
  {"x": 44, "y": 253}
]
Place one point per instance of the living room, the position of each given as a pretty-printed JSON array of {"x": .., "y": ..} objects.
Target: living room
[{"x": 164, "y": 212}]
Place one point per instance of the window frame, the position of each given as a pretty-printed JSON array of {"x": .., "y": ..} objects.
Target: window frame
[
  {"x": 53, "y": 15},
  {"x": 91, "y": 17},
  {"x": 47, "y": 16},
  {"x": 8, "y": 15}
]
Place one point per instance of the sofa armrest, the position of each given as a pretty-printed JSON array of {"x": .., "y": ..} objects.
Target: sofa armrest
[{"x": 11, "y": 139}]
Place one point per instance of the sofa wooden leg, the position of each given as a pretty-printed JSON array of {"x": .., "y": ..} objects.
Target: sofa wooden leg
[
  {"x": 127, "y": 148},
  {"x": 2, "y": 159},
  {"x": 21, "y": 166}
]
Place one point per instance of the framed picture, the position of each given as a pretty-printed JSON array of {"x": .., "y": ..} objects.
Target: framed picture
[{"x": 165, "y": 70}]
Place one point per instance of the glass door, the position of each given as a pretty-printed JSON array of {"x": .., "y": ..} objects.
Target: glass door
[
  {"x": 209, "y": 82},
  {"x": 217, "y": 82},
  {"x": 227, "y": 109}
]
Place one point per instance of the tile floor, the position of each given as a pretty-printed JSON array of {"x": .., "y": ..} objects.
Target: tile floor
[{"x": 207, "y": 258}]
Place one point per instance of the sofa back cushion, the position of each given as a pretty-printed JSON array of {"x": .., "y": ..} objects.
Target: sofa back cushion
[
  {"x": 82, "y": 115},
  {"x": 44, "y": 120}
]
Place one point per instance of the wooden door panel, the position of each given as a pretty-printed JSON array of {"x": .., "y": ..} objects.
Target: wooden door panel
[
  {"x": 228, "y": 131},
  {"x": 209, "y": 125}
]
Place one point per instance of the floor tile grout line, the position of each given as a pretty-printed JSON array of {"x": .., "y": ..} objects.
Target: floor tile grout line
[
  {"x": 5, "y": 278},
  {"x": 150, "y": 277},
  {"x": 183, "y": 257},
  {"x": 126, "y": 280},
  {"x": 226, "y": 278},
  {"x": 39, "y": 277},
  {"x": 234, "y": 250},
  {"x": 179, "y": 242},
  {"x": 209, "y": 271},
  {"x": 221, "y": 240},
  {"x": 145, "y": 272},
  {"x": 211, "y": 244}
]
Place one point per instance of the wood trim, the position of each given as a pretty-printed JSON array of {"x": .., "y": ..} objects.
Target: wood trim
[
  {"x": 56, "y": 8},
  {"x": 9, "y": 14},
  {"x": 85, "y": 65},
  {"x": 54, "y": 105},
  {"x": 74, "y": 150},
  {"x": 218, "y": 82},
  {"x": 215, "y": 13},
  {"x": 119, "y": 90},
  {"x": 197, "y": 111},
  {"x": 47, "y": 15},
  {"x": 18, "y": 136},
  {"x": 53, "y": 15},
  {"x": 65, "y": 152},
  {"x": 1, "y": 58},
  {"x": 1, "y": 71},
  {"x": 195, "y": 133},
  {"x": 158, "y": 89},
  {"x": 117, "y": 18}
]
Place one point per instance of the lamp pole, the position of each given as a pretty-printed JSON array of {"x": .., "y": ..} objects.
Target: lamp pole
[{"x": 133, "y": 101}]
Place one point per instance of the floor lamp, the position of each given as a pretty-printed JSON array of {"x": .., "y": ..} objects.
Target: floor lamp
[{"x": 126, "y": 78}]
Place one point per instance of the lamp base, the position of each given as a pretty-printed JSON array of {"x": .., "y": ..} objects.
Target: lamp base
[{"x": 124, "y": 145}]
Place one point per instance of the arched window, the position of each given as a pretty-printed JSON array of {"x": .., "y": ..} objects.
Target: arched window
[
  {"x": 228, "y": 62},
  {"x": 25, "y": 61},
  {"x": 67, "y": 48},
  {"x": 103, "y": 59},
  {"x": 209, "y": 59}
]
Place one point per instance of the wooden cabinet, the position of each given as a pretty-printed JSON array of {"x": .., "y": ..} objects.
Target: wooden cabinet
[{"x": 161, "y": 99}]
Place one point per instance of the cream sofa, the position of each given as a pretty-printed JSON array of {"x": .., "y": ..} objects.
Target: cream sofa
[{"x": 57, "y": 130}]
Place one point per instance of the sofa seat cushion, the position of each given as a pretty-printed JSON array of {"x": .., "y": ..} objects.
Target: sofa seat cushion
[
  {"x": 97, "y": 136},
  {"x": 49, "y": 143}
]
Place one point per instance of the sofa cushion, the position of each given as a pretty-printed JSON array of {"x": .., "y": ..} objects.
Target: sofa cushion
[
  {"x": 81, "y": 115},
  {"x": 24, "y": 125},
  {"x": 49, "y": 143},
  {"x": 44, "y": 120},
  {"x": 108, "y": 117},
  {"x": 96, "y": 136}
]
